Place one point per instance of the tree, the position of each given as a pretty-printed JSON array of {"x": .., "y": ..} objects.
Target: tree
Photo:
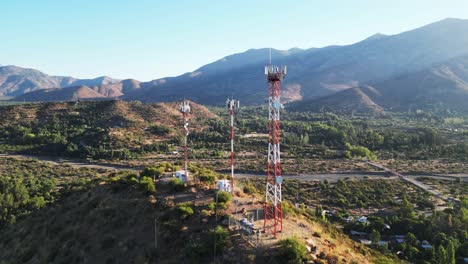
[
  {"x": 450, "y": 253},
  {"x": 358, "y": 151},
  {"x": 374, "y": 237},
  {"x": 440, "y": 239},
  {"x": 411, "y": 239},
  {"x": 406, "y": 209},
  {"x": 152, "y": 172},
  {"x": 441, "y": 255}
]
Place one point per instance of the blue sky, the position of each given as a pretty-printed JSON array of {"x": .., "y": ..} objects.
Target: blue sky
[{"x": 149, "y": 39}]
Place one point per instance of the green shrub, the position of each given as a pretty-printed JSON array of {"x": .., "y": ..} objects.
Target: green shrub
[
  {"x": 176, "y": 185},
  {"x": 291, "y": 250},
  {"x": 224, "y": 197},
  {"x": 152, "y": 172},
  {"x": 212, "y": 206},
  {"x": 184, "y": 210},
  {"x": 114, "y": 179},
  {"x": 249, "y": 188},
  {"x": 37, "y": 202},
  {"x": 288, "y": 209},
  {"x": 147, "y": 185},
  {"x": 205, "y": 175},
  {"x": 207, "y": 178},
  {"x": 132, "y": 181}
]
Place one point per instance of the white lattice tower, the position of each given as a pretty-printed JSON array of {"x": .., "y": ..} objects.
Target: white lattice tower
[
  {"x": 185, "y": 109},
  {"x": 273, "y": 210},
  {"x": 232, "y": 106}
]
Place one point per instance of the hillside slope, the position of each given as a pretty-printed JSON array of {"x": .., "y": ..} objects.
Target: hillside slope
[
  {"x": 58, "y": 94},
  {"x": 350, "y": 100},
  {"x": 99, "y": 129},
  {"x": 110, "y": 218},
  {"x": 443, "y": 86}
]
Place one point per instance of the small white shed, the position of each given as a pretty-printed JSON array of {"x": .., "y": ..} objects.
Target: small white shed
[
  {"x": 224, "y": 185},
  {"x": 181, "y": 175}
]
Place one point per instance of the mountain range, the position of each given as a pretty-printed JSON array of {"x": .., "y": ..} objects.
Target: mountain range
[
  {"x": 424, "y": 67},
  {"x": 440, "y": 87}
]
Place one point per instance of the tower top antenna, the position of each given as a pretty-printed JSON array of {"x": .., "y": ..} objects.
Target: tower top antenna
[{"x": 270, "y": 57}]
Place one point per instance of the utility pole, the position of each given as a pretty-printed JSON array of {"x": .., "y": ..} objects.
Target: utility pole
[
  {"x": 236, "y": 202},
  {"x": 216, "y": 225},
  {"x": 156, "y": 233}
]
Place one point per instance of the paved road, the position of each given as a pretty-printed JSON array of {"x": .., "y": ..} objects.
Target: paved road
[{"x": 333, "y": 177}]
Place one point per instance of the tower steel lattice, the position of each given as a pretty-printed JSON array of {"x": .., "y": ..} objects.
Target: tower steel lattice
[
  {"x": 232, "y": 106},
  {"x": 273, "y": 209},
  {"x": 185, "y": 109}
]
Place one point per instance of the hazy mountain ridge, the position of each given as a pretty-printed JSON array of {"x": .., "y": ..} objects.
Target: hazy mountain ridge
[
  {"x": 15, "y": 81},
  {"x": 61, "y": 94},
  {"x": 320, "y": 72},
  {"x": 442, "y": 87}
]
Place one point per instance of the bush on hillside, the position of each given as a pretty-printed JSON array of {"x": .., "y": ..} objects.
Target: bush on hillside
[
  {"x": 184, "y": 210},
  {"x": 152, "y": 172},
  {"x": 147, "y": 185},
  {"x": 224, "y": 197},
  {"x": 176, "y": 185},
  {"x": 291, "y": 250},
  {"x": 249, "y": 188}
]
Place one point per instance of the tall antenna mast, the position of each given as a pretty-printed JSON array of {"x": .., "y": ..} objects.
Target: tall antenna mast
[
  {"x": 185, "y": 109},
  {"x": 270, "y": 58},
  {"x": 232, "y": 105},
  {"x": 273, "y": 210}
]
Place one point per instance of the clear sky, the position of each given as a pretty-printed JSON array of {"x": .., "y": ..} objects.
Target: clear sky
[{"x": 149, "y": 39}]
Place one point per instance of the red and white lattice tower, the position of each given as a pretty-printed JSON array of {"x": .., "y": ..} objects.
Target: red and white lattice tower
[
  {"x": 273, "y": 210},
  {"x": 232, "y": 105},
  {"x": 185, "y": 109}
]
